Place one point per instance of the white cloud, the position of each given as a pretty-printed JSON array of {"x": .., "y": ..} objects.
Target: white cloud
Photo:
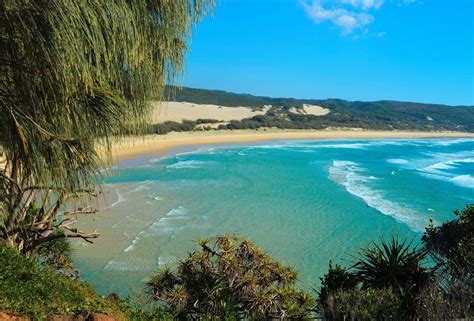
[
  {"x": 346, "y": 18},
  {"x": 365, "y": 4}
]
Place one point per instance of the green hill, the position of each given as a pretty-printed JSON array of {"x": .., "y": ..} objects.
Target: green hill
[{"x": 381, "y": 115}]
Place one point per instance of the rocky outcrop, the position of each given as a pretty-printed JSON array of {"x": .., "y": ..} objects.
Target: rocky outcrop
[{"x": 12, "y": 317}]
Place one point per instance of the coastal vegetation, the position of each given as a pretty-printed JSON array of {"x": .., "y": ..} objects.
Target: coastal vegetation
[
  {"x": 390, "y": 279},
  {"x": 230, "y": 279},
  {"x": 377, "y": 115},
  {"x": 73, "y": 79}
]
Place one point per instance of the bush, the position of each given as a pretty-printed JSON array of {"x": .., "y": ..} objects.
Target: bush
[
  {"x": 335, "y": 280},
  {"x": 27, "y": 289},
  {"x": 229, "y": 278},
  {"x": 451, "y": 246},
  {"x": 370, "y": 304}
]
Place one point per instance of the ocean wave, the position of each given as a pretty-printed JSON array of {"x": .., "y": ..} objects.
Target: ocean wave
[
  {"x": 179, "y": 211},
  {"x": 135, "y": 240},
  {"x": 397, "y": 161},
  {"x": 140, "y": 188},
  {"x": 157, "y": 198},
  {"x": 190, "y": 164},
  {"x": 441, "y": 166},
  {"x": 344, "y": 145},
  {"x": 164, "y": 260},
  {"x": 350, "y": 175},
  {"x": 449, "y": 142},
  {"x": 161, "y": 226},
  {"x": 466, "y": 181},
  {"x": 310, "y": 146},
  {"x": 120, "y": 199},
  {"x": 131, "y": 264}
]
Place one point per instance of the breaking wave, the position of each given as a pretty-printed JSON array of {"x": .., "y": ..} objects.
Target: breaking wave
[
  {"x": 162, "y": 226},
  {"x": 189, "y": 164},
  {"x": 351, "y": 176}
]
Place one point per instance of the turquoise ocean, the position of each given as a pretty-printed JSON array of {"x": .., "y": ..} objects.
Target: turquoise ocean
[{"x": 304, "y": 202}]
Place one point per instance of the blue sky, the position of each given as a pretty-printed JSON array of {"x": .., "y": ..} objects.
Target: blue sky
[{"x": 409, "y": 50}]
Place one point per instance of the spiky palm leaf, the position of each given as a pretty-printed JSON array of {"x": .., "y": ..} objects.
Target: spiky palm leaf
[
  {"x": 232, "y": 278},
  {"x": 75, "y": 74},
  {"x": 392, "y": 263}
]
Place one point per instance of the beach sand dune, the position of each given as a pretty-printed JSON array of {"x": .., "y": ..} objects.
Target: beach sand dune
[
  {"x": 311, "y": 110},
  {"x": 179, "y": 111}
]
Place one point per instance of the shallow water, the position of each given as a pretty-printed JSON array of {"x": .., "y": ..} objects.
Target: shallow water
[{"x": 304, "y": 202}]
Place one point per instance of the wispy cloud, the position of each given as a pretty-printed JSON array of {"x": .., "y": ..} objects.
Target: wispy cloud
[
  {"x": 348, "y": 15},
  {"x": 364, "y": 4}
]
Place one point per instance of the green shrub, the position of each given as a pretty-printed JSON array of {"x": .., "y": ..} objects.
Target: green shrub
[
  {"x": 369, "y": 304},
  {"x": 335, "y": 280},
  {"x": 231, "y": 279},
  {"x": 26, "y": 288}
]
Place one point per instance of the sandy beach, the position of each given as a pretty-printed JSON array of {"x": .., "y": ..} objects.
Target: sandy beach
[{"x": 132, "y": 147}]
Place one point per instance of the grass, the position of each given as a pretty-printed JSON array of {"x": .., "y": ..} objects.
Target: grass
[{"x": 27, "y": 289}]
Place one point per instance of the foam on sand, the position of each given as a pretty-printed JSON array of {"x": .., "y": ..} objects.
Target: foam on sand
[{"x": 350, "y": 175}]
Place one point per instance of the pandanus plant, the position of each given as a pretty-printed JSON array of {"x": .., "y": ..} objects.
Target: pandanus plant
[
  {"x": 230, "y": 278},
  {"x": 391, "y": 264},
  {"x": 395, "y": 265}
]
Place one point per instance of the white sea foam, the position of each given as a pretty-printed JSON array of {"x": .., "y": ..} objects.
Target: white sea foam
[
  {"x": 464, "y": 180},
  {"x": 179, "y": 211},
  {"x": 436, "y": 167},
  {"x": 140, "y": 188},
  {"x": 119, "y": 200},
  {"x": 241, "y": 153},
  {"x": 135, "y": 240},
  {"x": 441, "y": 166},
  {"x": 448, "y": 142},
  {"x": 397, "y": 161},
  {"x": 129, "y": 264},
  {"x": 164, "y": 260},
  {"x": 161, "y": 226},
  {"x": 344, "y": 146},
  {"x": 159, "y": 159},
  {"x": 308, "y": 147},
  {"x": 189, "y": 164},
  {"x": 350, "y": 175}
]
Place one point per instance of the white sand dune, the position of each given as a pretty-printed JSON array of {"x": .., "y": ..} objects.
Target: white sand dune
[
  {"x": 311, "y": 110},
  {"x": 179, "y": 111}
]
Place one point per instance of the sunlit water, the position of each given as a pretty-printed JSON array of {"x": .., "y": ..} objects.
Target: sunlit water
[{"x": 304, "y": 202}]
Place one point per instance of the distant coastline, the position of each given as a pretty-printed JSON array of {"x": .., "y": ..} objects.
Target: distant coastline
[{"x": 134, "y": 146}]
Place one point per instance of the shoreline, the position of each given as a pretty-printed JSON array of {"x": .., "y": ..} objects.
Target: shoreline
[{"x": 133, "y": 147}]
